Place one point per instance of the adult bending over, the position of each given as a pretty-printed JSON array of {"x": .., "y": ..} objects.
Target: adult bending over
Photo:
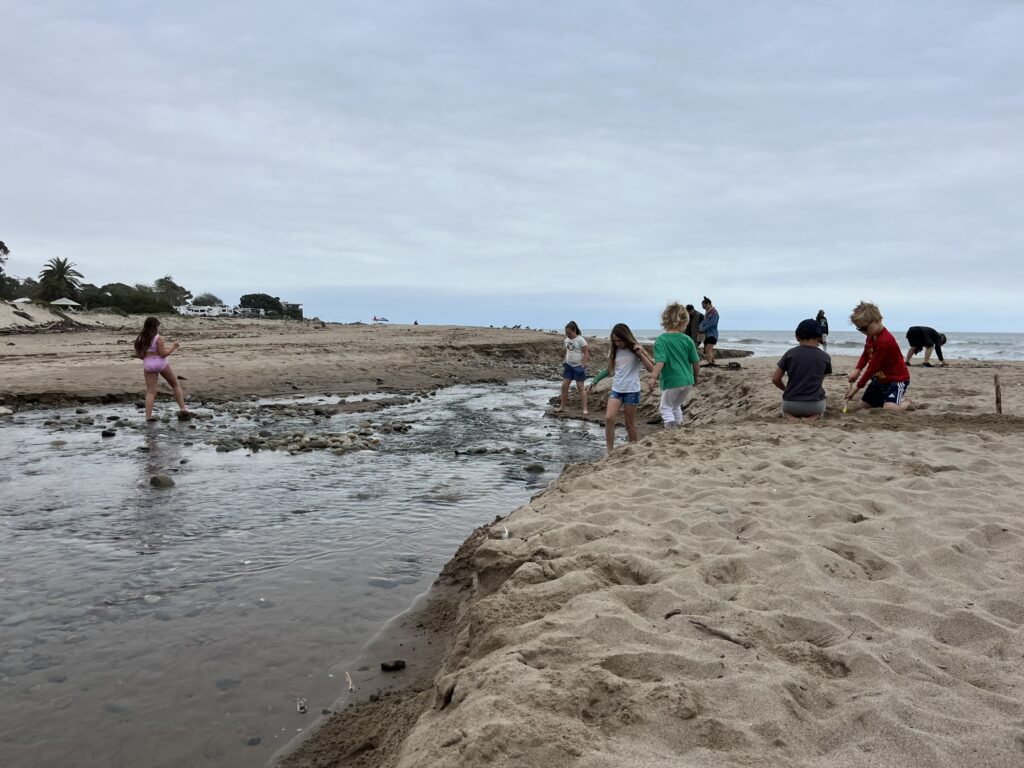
[
  {"x": 150, "y": 348},
  {"x": 922, "y": 337}
]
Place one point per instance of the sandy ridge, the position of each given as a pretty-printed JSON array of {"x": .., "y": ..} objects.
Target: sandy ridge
[{"x": 745, "y": 590}]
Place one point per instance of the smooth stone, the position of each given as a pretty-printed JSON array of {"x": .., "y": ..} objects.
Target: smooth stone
[
  {"x": 161, "y": 481},
  {"x": 108, "y": 433},
  {"x": 535, "y": 468}
]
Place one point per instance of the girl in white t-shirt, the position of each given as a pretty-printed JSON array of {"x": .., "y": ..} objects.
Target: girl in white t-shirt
[
  {"x": 574, "y": 368},
  {"x": 626, "y": 356}
]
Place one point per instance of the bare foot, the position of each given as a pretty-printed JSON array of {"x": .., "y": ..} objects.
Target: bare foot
[{"x": 586, "y": 413}]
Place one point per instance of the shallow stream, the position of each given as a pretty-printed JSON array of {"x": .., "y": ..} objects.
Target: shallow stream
[{"x": 144, "y": 626}]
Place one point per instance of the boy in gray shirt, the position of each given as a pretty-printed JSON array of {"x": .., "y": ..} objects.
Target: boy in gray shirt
[{"x": 803, "y": 396}]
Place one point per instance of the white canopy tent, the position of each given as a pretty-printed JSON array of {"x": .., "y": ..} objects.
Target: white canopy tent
[{"x": 65, "y": 303}]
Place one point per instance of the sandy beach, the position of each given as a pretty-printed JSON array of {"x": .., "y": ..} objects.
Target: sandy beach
[{"x": 738, "y": 592}]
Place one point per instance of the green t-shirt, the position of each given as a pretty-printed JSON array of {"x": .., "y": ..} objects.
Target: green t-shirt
[{"x": 678, "y": 352}]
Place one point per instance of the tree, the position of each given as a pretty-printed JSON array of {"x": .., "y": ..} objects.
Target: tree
[
  {"x": 4, "y": 253},
  {"x": 262, "y": 301},
  {"x": 59, "y": 278},
  {"x": 206, "y": 300},
  {"x": 169, "y": 291}
]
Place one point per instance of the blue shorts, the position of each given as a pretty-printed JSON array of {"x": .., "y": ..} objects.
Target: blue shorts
[
  {"x": 627, "y": 398},
  {"x": 878, "y": 394},
  {"x": 573, "y": 372}
]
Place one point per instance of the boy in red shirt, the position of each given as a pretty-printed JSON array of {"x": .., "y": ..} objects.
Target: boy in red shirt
[{"x": 881, "y": 364}]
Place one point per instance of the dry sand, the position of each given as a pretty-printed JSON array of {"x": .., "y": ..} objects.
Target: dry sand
[
  {"x": 740, "y": 592},
  {"x": 89, "y": 357}
]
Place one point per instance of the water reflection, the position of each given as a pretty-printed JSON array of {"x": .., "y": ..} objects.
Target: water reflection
[{"x": 126, "y": 604}]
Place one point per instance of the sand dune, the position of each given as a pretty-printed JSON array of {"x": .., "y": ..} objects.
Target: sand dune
[{"x": 747, "y": 592}]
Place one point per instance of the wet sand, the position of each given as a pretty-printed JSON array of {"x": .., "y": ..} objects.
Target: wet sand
[{"x": 223, "y": 359}]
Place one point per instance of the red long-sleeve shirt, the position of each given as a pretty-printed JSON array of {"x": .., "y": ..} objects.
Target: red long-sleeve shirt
[{"x": 883, "y": 359}]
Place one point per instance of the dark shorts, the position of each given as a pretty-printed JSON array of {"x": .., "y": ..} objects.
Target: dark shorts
[
  {"x": 877, "y": 395},
  {"x": 573, "y": 372},
  {"x": 710, "y": 341},
  {"x": 627, "y": 398}
]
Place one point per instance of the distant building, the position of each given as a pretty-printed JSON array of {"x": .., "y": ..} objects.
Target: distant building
[{"x": 192, "y": 310}]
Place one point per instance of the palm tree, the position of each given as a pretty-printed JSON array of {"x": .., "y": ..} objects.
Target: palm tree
[{"x": 58, "y": 279}]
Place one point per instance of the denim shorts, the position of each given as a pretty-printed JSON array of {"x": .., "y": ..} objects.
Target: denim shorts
[
  {"x": 573, "y": 372},
  {"x": 627, "y": 398},
  {"x": 878, "y": 394}
]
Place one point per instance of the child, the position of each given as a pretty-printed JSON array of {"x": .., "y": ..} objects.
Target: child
[
  {"x": 922, "y": 337},
  {"x": 625, "y": 356},
  {"x": 881, "y": 362},
  {"x": 709, "y": 327},
  {"x": 150, "y": 348},
  {"x": 677, "y": 364},
  {"x": 803, "y": 396},
  {"x": 577, "y": 355}
]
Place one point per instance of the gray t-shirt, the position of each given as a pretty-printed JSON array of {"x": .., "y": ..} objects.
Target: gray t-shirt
[{"x": 806, "y": 368}]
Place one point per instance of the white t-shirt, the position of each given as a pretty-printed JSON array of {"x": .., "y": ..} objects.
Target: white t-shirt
[
  {"x": 627, "y": 371},
  {"x": 574, "y": 350}
]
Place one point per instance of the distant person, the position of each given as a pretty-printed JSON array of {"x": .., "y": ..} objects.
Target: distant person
[
  {"x": 806, "y": 366},
  {"x": 709, "y": 327},
  {"x": 574, "y": 368},
  {"x": 676, "y": 365},
  {"x": 881, "y": 364},
  {"x": 922, "y": 337},
  {"x": 823, "y": 324},
  {"x": 150, "y": 348},
  {"x": 626, "y": 356},
  {"x": 693, "y": 325}
]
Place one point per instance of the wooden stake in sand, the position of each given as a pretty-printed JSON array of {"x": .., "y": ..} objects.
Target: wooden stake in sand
[{"x": 999, "y": 397}]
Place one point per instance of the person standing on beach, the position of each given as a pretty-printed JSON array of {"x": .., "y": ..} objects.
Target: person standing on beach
[
  {"x": 922, "y": 337},
  {"x": 803, "y": 395},
  {"x": 676, "y": 365},
  {"x": 823, "y": 324},
  {"x": 709, "y": 327},
  {"x": 881, "y": 364},
  {"x": 626, "y": 356},
  {"x": 150, "y": 348},
  {"x": 574, "y": 368},
  {"x": 693, "y": 324}
]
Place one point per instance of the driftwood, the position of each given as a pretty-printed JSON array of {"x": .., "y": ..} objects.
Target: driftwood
[{"x": 999, "y": 397}]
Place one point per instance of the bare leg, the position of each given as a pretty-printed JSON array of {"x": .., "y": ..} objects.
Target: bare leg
[
  {"x": 790, "y": 418},
  {"x": 631, "y": 423},
  {"x": 928, "y": 355},
  {"x": 910, "y": 353},
  {"x": 168, "y": 374},
  {"x": 565, "y": 394},
  {"x": 583, "y": 396},
  {"x": 151, "y": 381},
  {"x": 709, "y": 353},
  {"x": 610, "y": 417}
]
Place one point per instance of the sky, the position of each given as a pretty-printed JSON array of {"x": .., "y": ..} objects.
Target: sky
[{"x": 491, "y": 162}]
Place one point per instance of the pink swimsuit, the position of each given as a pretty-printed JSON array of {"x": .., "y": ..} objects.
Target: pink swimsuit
[{"x": 152, "y": 362}]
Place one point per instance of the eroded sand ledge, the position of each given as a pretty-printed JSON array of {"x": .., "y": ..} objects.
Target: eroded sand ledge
[{"x": 742, "y": 592}]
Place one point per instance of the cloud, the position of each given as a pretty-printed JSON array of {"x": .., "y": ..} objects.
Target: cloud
[{"x": 745, "y": 151}]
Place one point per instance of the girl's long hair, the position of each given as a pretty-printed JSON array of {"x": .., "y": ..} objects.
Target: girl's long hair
[
  {"x": 144, "y": 339},
  {"x": 620, "y": 331},
  {"x": 571, "y": 326}
]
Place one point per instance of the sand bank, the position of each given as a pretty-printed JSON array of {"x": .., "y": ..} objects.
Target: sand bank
[
  {"x": 225, "y": 359},
  {"x": 740, "y": 592}
]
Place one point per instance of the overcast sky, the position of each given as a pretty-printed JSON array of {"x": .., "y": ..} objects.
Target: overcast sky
[{"x": 527, "y": 162}]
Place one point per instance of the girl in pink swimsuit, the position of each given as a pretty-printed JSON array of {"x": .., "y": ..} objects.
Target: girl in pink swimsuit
[{"x": 154, "y": 353}]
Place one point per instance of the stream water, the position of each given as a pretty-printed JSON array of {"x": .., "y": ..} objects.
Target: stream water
[{"x": 142, "y": 626}]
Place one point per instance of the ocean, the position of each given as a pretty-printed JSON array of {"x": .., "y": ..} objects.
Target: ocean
[{"x": 960, "y": 345}]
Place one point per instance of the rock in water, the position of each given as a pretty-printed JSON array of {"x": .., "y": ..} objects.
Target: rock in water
[{"x": 161, "y": 481}]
